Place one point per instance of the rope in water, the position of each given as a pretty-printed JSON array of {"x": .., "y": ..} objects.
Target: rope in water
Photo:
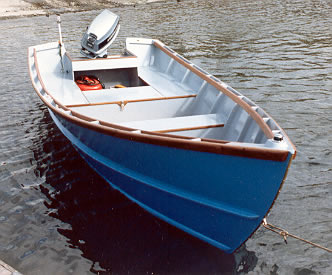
[{"x": 285, "y": 234}]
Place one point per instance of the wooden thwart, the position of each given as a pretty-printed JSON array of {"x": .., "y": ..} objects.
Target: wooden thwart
[
  {"x": 124, "y": 102},
  {"x": 177, "y": 124},
  {"x": 190, "y": 128}
]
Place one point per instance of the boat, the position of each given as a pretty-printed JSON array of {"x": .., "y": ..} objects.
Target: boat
[{"x": 167, "y": 134}]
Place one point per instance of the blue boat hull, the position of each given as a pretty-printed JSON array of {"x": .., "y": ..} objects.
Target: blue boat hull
[{"x": 220, "y": 199}]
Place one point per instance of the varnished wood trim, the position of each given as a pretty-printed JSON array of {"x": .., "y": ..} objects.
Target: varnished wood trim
[
  {"x": 160, "y": 139},
  {"x": 286, "y": 136},
  {"x": 180, "y": 142},
  {"x": 108, "y": 58},
  {"x": 265, "y": 128},
  {"x": 190, "y": 128},
  {"x": 42, "y": 82},
  {"x": 125, "y": 102}
]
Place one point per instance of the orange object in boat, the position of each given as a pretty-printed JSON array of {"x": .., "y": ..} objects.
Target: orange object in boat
[
  {"x": 88, "y": 83},
  {"x": 119, "y": 86}
]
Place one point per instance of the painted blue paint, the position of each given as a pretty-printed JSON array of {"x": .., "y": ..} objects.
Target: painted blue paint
[{"x": 220, "y": 199}]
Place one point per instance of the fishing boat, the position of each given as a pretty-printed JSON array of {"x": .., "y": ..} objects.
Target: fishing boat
[{"x": 170, "y": 136}]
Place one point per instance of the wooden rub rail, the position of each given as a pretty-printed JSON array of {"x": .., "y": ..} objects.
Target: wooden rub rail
[{"x": 125, "y": 102}]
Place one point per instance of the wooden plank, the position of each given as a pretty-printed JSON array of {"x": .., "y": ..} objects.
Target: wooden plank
[
  {"x": 164, "y": 85},
  {"x": 6, "y": 269},
  {"x": 190, "y": 128},
  {"x": 119, "y": 94},
  {"x": 42, "y": 82},
  {"x": 108, "y": 58},
  {"x": 105, "y": 64},
  {"x": 124, "y": 102},
  {"x": 177, "y": 124}
]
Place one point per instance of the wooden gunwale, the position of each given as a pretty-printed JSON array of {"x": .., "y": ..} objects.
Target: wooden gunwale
[
  {"x": 42, "y": 83},
  {"x": 125, "y": 102},
  {"x": 265, "y": 128},
  {"x": 161, "y": 139},
  {"x": 108, "y": 58},
  {"x": 286, "y": 136}
]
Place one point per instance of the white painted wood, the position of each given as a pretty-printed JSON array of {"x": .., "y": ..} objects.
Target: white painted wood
[
  {"x": 62, "y": 88},
  {"x": 176, "y": 122},
  {"x": 137, "y": 110},
  {"x": 163, "y": 83},
  {"x": 121, "y": 94},
  {"x": 105, "y": 63}
]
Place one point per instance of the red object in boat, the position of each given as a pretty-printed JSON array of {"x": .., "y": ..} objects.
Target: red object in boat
[{"x": 88, "y": 83}]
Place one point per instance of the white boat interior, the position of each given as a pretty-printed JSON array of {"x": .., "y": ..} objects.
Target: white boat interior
[{"x": 163, "y": 93}]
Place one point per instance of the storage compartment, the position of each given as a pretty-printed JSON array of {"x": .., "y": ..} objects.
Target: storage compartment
[{"x": 127, "y": 77}]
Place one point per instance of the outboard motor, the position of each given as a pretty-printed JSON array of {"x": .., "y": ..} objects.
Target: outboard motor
[{"x": 100, "y": 35}]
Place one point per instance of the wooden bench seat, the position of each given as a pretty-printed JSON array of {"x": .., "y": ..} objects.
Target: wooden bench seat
[
  {"x": 63, "y": 89},
  {"x": 177, "y": 124}
]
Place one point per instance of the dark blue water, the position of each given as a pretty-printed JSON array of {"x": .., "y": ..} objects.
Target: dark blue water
[{"x": 57, "y": 216}]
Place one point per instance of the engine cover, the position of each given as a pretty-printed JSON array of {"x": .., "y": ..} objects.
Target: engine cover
[{"x": 100, "y": 35}]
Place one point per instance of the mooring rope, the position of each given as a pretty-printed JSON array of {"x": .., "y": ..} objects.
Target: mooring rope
[{"x": 285, "y": 234}]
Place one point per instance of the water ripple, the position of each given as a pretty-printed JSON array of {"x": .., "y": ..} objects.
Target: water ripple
[{"x": 57, "y": 215}]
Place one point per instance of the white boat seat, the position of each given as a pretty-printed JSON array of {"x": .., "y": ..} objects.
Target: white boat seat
[
  {"x": 129, "y": 100},
  {"x": 121, "y": 94},
  {"x": 63, "y": 89},
  {"x": 177, "y": 124},
  {"x": 163, "y": 83}
]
